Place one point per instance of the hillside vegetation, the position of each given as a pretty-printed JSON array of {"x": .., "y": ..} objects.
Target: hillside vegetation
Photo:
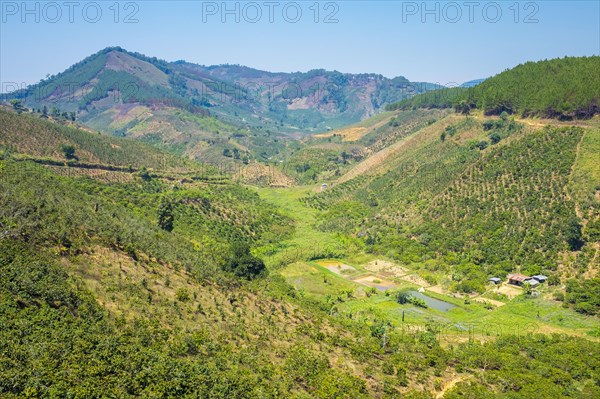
[
  {"x": 565, "y": 88},
  {"x": 130, "y": 272},
  {"x": 441, "y": 98},
  {"x": 342, "y": 154},
  {"x": 469, "y": 199},
  {"x": 114, "y": 79},
  {"x": 38, "y": 137},
  {"x": 124, "y": 308}
]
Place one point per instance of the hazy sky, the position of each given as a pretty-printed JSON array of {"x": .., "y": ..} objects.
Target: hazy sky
[{"x": 439, "y": 42}]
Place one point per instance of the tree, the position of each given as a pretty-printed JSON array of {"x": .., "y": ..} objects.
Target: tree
[
  {"x": 165, "y": 214},
  {"x": 17, "y": 105},
  {"x": 463, "y": 107},
  {"x": 482, "y": 145},
  {"x": 68, "y": 151},
  {"x": 495, "y": 138},
  {"x": 403, "y": 297},
  {"x": 182, "y": 294},
  {"x": 242, "y": 263},
  {"x": 144, "y": 174},
  {"x": 573, "y": 235}
]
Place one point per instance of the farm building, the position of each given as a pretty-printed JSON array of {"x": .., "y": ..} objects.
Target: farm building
[
  {"x": 532, "y": 282},
  {"x": 541, "y": 278},
  {"x": 495, "y": 280},
  {"x": 517, "y": 279}
]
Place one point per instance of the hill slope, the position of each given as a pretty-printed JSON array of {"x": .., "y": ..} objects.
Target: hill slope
[
  {"x": 473, "y": 197},
  {"x": 38, "y": 137},
  {"x": 91, "y": 286},
  {"x": 565, "y": 88},
  {"x": 153, "y": 287},
  {"x": 201, "y": 111}
]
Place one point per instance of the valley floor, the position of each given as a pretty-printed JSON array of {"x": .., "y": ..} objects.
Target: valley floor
[{"x": 362, "y": 286}]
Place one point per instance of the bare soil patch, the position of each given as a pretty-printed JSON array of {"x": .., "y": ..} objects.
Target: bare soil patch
[
  {"x": 336, "y": 267},
  {"x": 510, "y": 291},
  {"x": 376, "y": 282},
  {"x": 383, "y": 266}
]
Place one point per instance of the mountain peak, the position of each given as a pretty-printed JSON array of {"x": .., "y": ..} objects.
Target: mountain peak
[{"x": 284, "y": 102}]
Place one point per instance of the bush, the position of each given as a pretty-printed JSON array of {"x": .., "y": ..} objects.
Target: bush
[
  {"x": 495, "y": 137},
  {"x": 68, "y": 151},
  {"x": 242, "y": 263},
  {"x": 182, "y": 295},
  {"x": 585, "y": 308},
  {"x": 418, "y": 302},
  {"x": 403, "y": 297},
  {"x": 559, "y": 296},
  {"x": 482, "y": 145},
  {"x": 584, "y": 295},
  {"x": 165, "y": 214},
  {"x": 573, "y": 235}
]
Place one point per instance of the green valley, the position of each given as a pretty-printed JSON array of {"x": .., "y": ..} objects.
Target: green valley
[{"x": 165, "y": 249}]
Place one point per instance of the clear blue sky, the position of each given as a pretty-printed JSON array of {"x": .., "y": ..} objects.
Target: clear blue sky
[{"x": 387, "y": 37}]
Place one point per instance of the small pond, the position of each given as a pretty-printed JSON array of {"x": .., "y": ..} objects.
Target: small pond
[{"x": 432, "y": 302}]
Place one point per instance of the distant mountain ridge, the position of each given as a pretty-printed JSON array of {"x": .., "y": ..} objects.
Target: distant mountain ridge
[
  {"x": 210, "y": 113},
  {"x": 472, "y": 83},
  {"x": 313, "y": 100}
]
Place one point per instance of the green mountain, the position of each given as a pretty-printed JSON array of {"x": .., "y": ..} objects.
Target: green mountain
[
  {"x": 565, "y": 89},
  {"x": 205, "y": 111}
]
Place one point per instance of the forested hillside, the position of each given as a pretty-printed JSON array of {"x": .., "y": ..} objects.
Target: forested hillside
[
  {"x": 566, "y": 88},
  {"x": 472, "y": 198},
  {"x": 441, "y": 98}
]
